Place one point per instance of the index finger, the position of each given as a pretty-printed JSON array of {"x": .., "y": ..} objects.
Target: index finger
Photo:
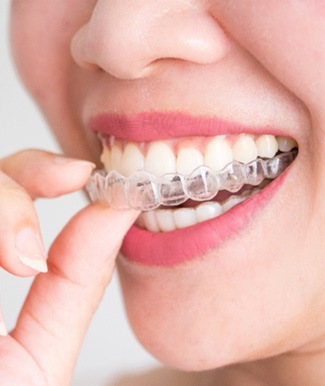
[{"x": 61, "y": 303}]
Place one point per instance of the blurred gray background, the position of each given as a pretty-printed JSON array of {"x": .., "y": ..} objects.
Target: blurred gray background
[{"x": 110, "y": 349}]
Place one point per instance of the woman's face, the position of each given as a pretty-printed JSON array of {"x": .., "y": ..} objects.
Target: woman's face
[{"x": 250, "y": 283}]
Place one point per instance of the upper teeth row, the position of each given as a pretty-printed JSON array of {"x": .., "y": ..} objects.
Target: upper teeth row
[{"x": 161, "y": 157}]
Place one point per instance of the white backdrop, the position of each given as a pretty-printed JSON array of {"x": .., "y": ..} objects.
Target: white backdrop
[{"x": 110, "y": 349}]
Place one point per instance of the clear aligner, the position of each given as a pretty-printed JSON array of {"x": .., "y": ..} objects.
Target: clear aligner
[{"x": 143, "y": 191}]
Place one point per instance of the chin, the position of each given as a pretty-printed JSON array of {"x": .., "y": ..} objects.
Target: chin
[{"x": 189, "y": 323}]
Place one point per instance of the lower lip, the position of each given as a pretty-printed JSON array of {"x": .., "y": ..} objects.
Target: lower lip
[{"x": 173, "y": 248}]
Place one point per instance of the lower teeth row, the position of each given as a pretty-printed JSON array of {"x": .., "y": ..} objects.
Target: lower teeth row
[
  {"x": 167, "y": 220},
  {"x": 143, "y": 191}
]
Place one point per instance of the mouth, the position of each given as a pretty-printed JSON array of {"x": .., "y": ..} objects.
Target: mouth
[{"x": 188, "y": 185}]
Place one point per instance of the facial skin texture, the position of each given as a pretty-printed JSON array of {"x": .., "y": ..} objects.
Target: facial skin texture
[{"x": 259, "y": 63}]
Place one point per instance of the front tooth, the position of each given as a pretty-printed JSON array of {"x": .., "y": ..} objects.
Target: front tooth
[
  {"x": 185, "y": 217},
  {"x": 208, "y": 210},
  {"x": 244, "y": 150},
  {"x": 286, "y": 143},
  {"x": 165, "y": 220},
  {"x": 188, "y": 159},
  {"x": 132, "y": 159},
  {"x": 267, "y": 146},
  {"x": 160, "y": 159},
  {"x": 218, "y": 154},
  {"x": 150, "y": 221},
  {"x": 116, "y": 158}
]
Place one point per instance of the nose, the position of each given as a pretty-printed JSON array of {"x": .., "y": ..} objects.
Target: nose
[{"x": 131, "y": 39}]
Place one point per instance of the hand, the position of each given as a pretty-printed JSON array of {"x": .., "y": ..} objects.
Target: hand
[{"x": 43, "y": 348}]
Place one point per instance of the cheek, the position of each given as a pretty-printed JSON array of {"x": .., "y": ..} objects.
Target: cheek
[
  {"x": 287, "y": 38},
  {"x": 40, "y": 45},
  {"x": 41, "y": 34}
]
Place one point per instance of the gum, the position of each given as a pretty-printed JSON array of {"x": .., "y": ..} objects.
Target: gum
[{"x": 143, "y": 191}]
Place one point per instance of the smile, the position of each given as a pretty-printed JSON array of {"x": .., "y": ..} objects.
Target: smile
[{"x": 183, "y": 185}]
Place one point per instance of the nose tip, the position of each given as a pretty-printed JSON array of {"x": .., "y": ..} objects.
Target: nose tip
[
  {"x": 130, "y": 42},
  {"x": 113, "y": 53}
]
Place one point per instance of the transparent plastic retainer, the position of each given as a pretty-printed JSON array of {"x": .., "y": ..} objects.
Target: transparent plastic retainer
[{"x": 143, "y": 191}]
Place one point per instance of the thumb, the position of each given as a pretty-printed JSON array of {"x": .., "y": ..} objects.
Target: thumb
[{"x": 61, "y": 303}]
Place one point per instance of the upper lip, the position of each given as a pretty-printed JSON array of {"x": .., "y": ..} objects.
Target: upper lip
[{"x": 152, "y": 126}]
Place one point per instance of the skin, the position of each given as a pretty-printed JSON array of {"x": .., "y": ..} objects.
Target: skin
[{"x": 256, "y": 308}]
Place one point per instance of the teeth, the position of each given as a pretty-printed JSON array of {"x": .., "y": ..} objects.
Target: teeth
[
  {"x": 254, "y": 172},
  {"x": 144, "y": 191},
  {"x": 165, "y": 219},
  {"x": 202, "y": 184},
  {"x": 208, "y": 211},
  {"x": 150, "y": 221},
  {"x": 132, "y": 159},
  {"x": 113, "y": 191},
  {"x": 160, "y": 159},
  {"x": 170, "y": 220},
  {"x": 173, "y": 190},
  {"x": 148, "y": 175},
  {"x": 233, "y": 177},
  {"x": 185, "y": 217},
  {"x": 116, "y": 158},
  {"x": 267, "y": 146},
  {"x": 244, "y": 149},
  {"x": 188, "y": 159},
  {"x": 286, "y": 143},
  {"x": 218, "y": 154},
  {"x": 105, "y": 158}
]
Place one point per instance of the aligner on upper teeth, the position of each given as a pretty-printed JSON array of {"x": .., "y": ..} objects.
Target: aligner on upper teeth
[{"x": 144, "y": 191}]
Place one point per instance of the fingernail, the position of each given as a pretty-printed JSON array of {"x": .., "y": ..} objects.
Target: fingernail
[
  {"x": 3, "y": 328},
  {"x": 30, "y": 250},
  {"x": 73, "y": 162}
]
